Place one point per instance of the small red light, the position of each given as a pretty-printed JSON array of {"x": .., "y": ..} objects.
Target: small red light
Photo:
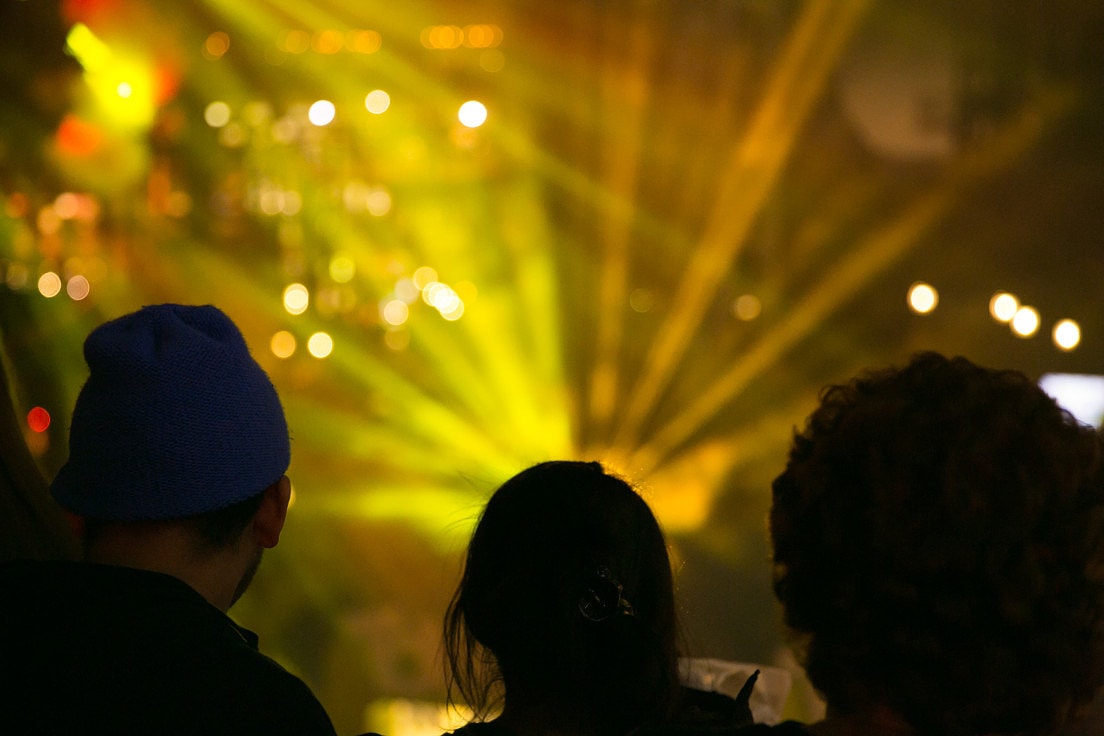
[{"x": 38, "y": 419}]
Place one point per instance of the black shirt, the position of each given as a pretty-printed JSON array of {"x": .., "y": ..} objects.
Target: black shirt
[{"x": 90, "y": 648}]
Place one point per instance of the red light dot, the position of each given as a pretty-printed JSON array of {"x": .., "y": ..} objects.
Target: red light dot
[{"x": 38, "y": 419}]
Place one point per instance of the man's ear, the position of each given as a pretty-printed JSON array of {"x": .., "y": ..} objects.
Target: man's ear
[{"x": 268, "y": 522}]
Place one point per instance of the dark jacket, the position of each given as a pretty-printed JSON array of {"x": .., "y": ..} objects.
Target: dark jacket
[{"x": 98, "y": 649}]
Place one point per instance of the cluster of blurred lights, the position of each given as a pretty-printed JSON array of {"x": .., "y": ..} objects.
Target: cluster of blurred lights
[
  {"x": 361, "y": 197},
  {"x": 395, "y": 308},
  {"x": 478, "y": 36},
  {"x": 320, "y": 113},
  {"x": 330, "y": 41},
  {"x": 271, "y": 200},
  {"x": 283, "y": 345},
  {"x": 1023, "y": 320},
  {"x": 77, "y": 287}
]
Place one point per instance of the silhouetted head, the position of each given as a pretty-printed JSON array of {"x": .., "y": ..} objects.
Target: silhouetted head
[
  {"x": 938, "y": 546},
  {"x": 567, "y": 601}
]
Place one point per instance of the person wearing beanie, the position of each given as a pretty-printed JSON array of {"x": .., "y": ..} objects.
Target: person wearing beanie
[{"x": 178, "y": 449}]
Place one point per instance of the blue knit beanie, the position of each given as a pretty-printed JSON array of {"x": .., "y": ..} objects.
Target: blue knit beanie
[{"x": 176, "y": 419}]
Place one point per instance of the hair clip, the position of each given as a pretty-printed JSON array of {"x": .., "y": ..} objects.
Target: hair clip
[{"x": 602, "y": 597}]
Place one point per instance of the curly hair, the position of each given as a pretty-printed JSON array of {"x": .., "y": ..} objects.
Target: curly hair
[
  {"x": 566, "y": 604},
  {"x": 938, "y": 538}
]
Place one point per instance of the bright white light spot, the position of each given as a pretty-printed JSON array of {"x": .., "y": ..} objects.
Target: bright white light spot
[
  {"x": 430, "y": 292},
  {"x": 320, "y": 345},
  {"x": 283, "y": 344},
  {"x": 747, "y": 307},
  {"x": 124, "y": 90},
  {"x": 1003, "y": 306},
  {"x": 1026, "y": 322},
  {"x": 922, "y": 297},
  {"x": 455, "y": 312},
  {"x": 395, "y": 312},
  {"x": 377, "y": 102},
  {"x": 77, "y": 288},
  {"x": 296, "y": 298},
  {"x": 1067, "y": 334},
  {"x": 424, "y": 276},
  {"x": 445, "y": 299},
  {"x": 217, "y": 114},
  {"x": 473, "y": 114},
  {"x": 49, "y": 284},
  {"x": 321, "y": 113}
]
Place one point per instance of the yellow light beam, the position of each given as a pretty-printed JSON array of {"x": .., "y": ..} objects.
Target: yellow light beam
[
  {"x": 625, "y": 88},
  {"x": 858, "y": 266},
  {"x": 754, "y": 164},
  {"x": 186, "y": 275}
]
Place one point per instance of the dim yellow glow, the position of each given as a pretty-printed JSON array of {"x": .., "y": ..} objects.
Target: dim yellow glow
[
  {"x": 328, "y": 41},
  {"x": 320, "y": 345},
  {"x": 1003, "y": 306},
  {"x": 282, "y": 344},
  {"x": 217, "y": 44},
  {"x": 425, "y": 276},
  {"x": 296, "y": 298},
  {"x": 1067, "y": 334},
  {"x": 492, "y": 60},
  {"x": 922, "y": 298},
  {"x": 641, "y": 300},
  {"x": 1026, "y": 322},
  {"x": 342, "y": 268},
  {"x": 747, "y": 307},
  {"x": 296, "y": 42},
  {"x": 364, "y": 41},
  {"x": 482, "y": 36},
  {"x": 217, "y": 114}
]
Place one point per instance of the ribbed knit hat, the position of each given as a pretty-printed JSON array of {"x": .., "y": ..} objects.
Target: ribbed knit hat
[{"x": 175, "y": 419}]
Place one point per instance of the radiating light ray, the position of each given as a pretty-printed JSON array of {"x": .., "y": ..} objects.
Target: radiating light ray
[
  {"x": 858, "y": 265},
  {"x": 431, "y": 424},
  {"x": 624, "y": 88},
  {"x": 683, "y": 490},
  {"x": 753, "y": 166}
]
